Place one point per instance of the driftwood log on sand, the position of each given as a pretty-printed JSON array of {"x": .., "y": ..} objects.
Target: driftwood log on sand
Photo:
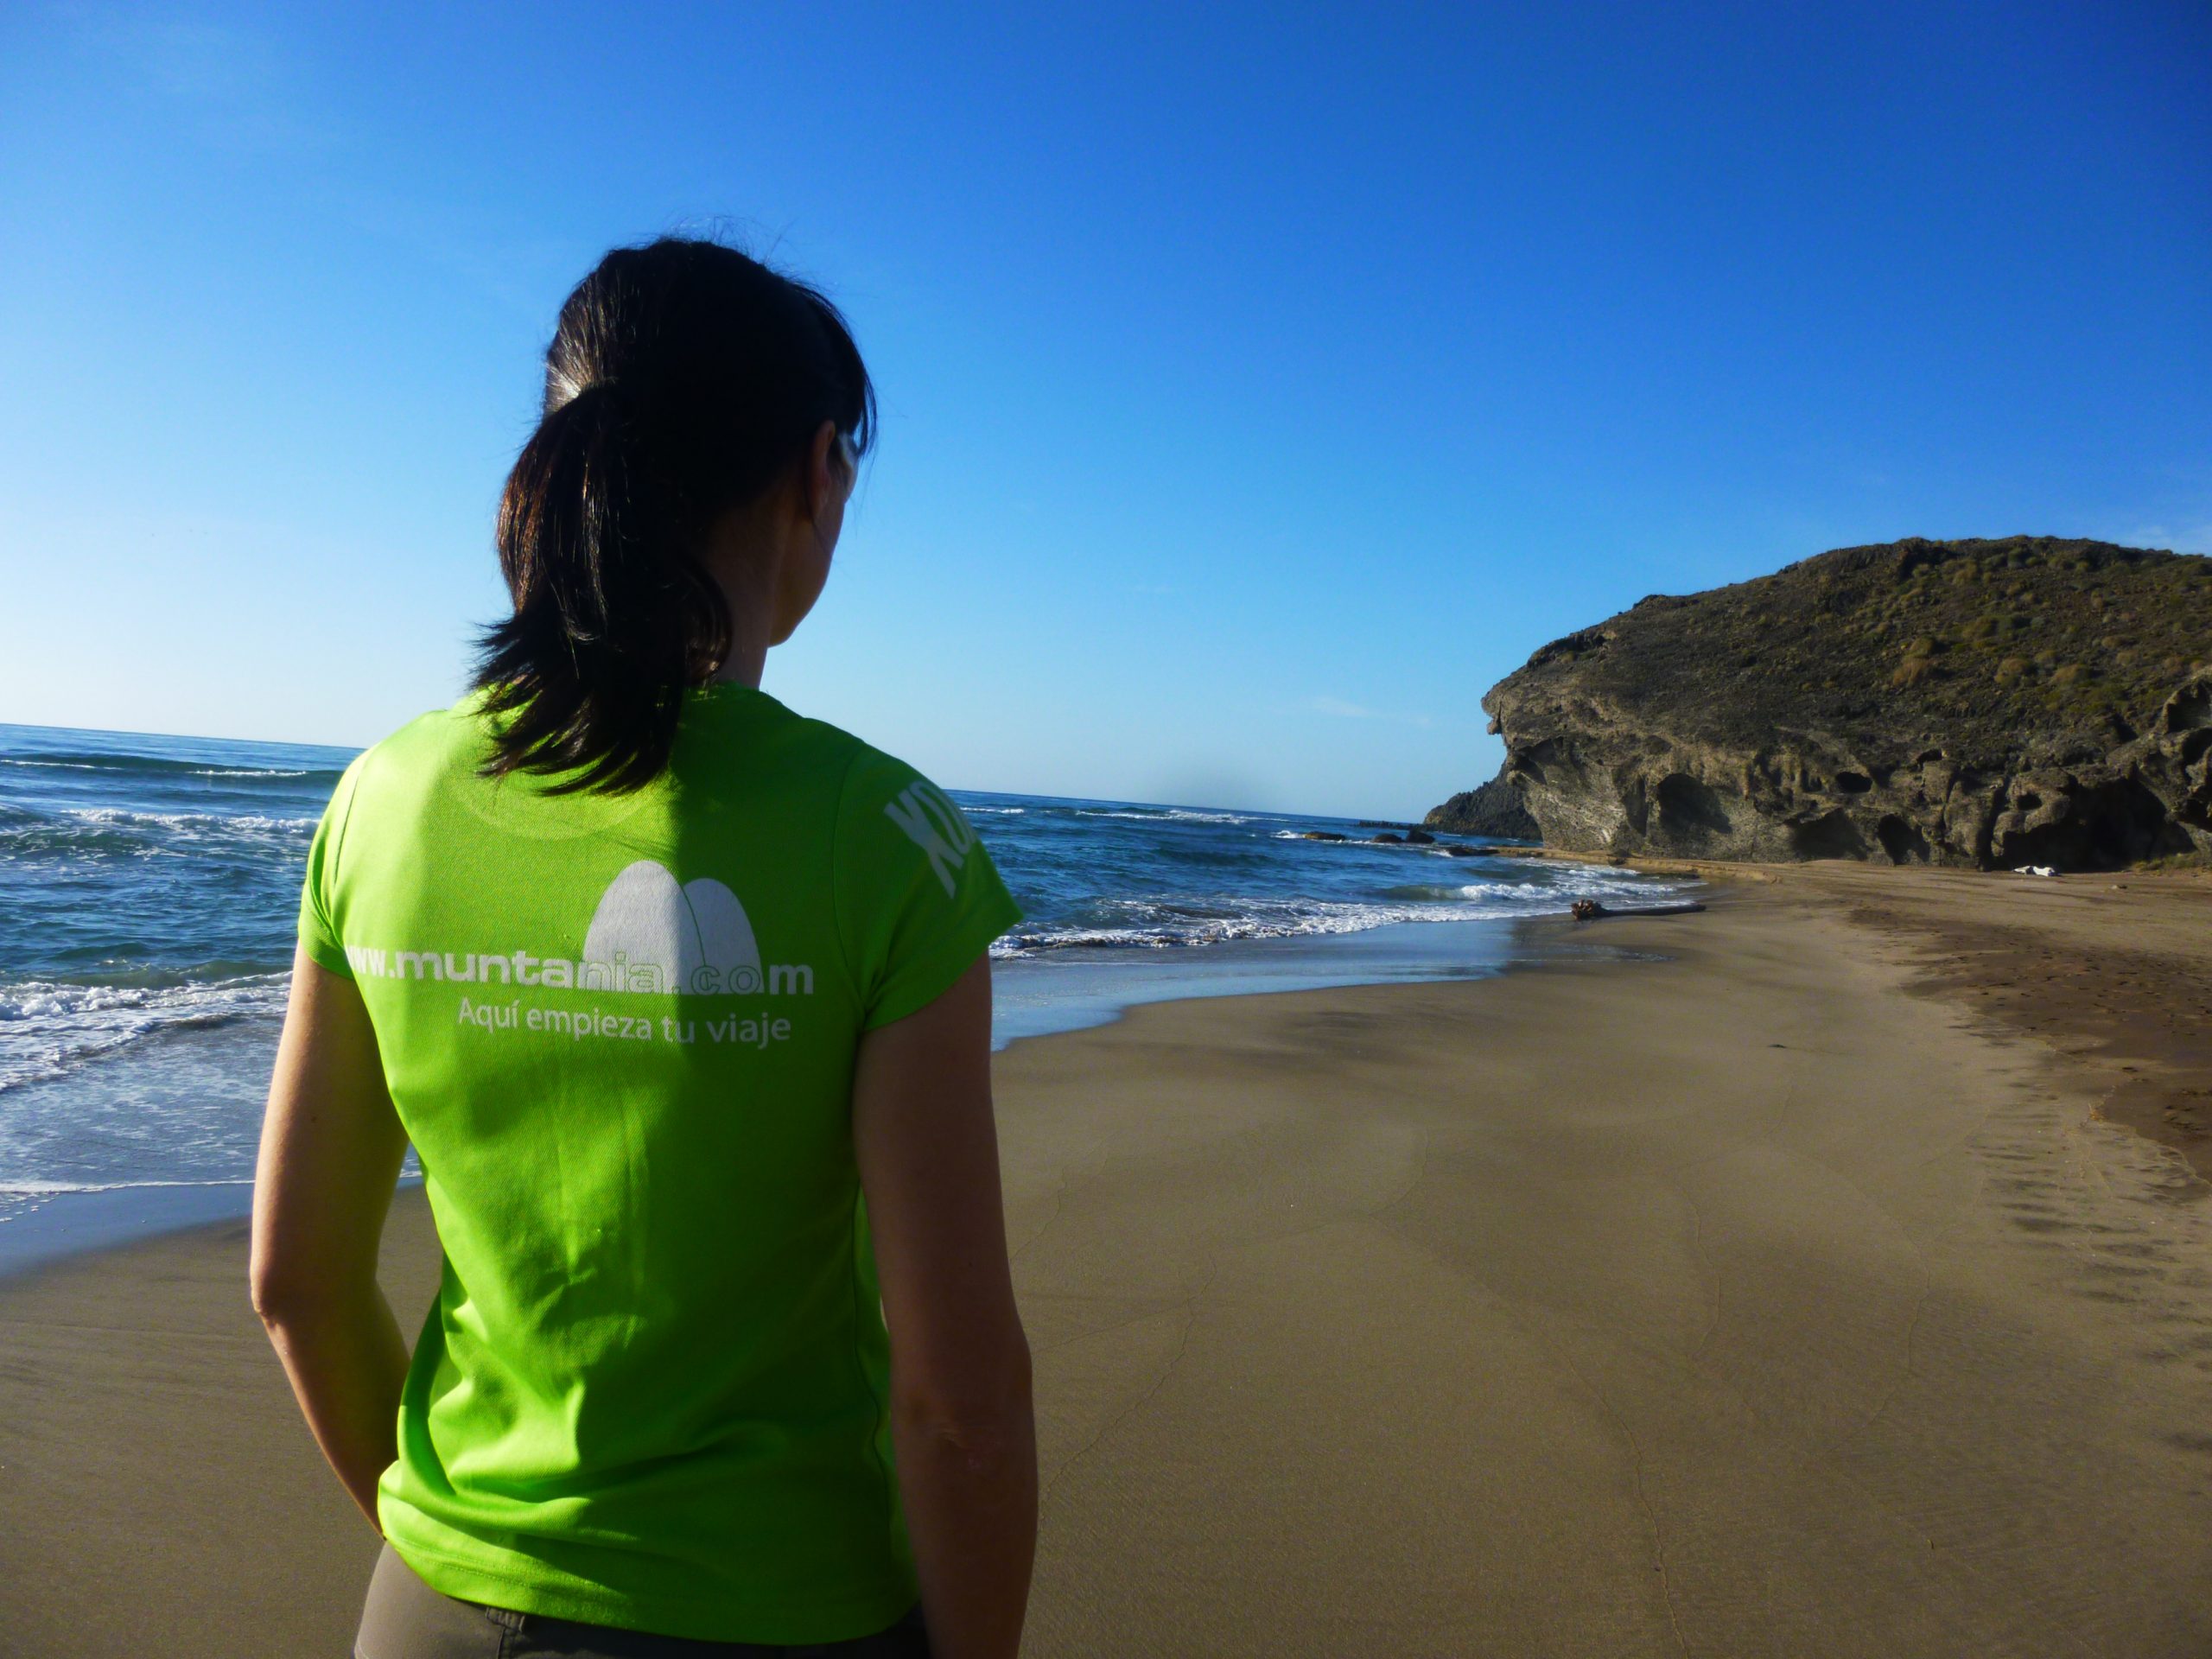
[{"x": 1589, "y": 910}]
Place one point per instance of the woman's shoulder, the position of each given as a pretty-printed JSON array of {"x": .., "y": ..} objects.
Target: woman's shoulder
[
  {"x": 410, "y": 762},
  {"x": 879, "y": 796},
  {"x": 859, "y": 764},
  {"x": 431, "y": 737}
]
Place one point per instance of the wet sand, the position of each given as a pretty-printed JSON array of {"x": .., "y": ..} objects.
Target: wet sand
[{"x": 1788, "y": 1294}]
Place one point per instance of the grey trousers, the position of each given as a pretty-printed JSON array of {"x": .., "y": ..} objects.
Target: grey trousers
[{"x": 405, "y": 1618}]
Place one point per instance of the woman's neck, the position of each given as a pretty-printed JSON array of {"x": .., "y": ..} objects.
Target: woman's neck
[
  {"x": 742, "y": 559},
  {"x": 743, "y": 666}
]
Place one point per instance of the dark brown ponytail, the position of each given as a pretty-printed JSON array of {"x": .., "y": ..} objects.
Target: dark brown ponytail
[{"x": 684, "y": 379}]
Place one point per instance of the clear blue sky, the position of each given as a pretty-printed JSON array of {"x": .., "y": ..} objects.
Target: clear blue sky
[{"x": 1258, "y": 385}]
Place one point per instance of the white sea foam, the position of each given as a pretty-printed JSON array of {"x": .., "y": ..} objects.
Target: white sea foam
[
  {"x": 186, "y": 820},
  {"x": 1163, "y": 814},
  {"x": 48, "y": 1027},
  {"x": 1171, "y": 924},
  {"x": 54, "y": 1189},
  {"x": 44, "y": 764},
  {"x": 21, "y": 1198}
]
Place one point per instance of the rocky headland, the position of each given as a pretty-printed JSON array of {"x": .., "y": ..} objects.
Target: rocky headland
[
  {"x": 1493, "y": 809},
  {"x": 1979, "y": 703}
]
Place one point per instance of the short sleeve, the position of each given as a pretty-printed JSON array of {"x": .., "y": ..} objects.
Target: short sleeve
[
  {"x": 918, "y": 898},
  {"x": 319, "y": 935}
]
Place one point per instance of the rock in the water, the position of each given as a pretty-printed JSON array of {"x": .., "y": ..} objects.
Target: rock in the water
[
  {"x": 1989, "y": 703},
  {"x": 1492, "y": 809}
]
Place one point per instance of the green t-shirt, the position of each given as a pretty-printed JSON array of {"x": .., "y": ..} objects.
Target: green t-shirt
[{"x": 621, "y": 1032}]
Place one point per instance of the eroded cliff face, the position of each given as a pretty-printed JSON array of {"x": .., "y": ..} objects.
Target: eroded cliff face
[{"x": 1980, "y": 703}]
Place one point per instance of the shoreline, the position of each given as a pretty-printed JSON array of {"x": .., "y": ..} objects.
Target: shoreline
[
  {"x": 2153, "y": 1032},
  {"x": 1035, "y": 997},
  {"x": 1765, "y": 1294}
]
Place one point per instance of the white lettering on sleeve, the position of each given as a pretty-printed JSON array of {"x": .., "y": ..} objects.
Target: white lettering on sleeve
[{"x": 917, "y": 813}]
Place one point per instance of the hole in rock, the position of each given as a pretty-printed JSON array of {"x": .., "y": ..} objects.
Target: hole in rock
[{"x": 1901, "y": 840}]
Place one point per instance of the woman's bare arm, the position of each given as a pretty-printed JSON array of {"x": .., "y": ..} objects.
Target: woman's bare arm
[
  {"x": 960, "y": 1420},
  {"x": 331, "y": 1146}
]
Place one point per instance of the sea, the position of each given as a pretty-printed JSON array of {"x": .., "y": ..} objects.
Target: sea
[{"x": 148, "y": 886}]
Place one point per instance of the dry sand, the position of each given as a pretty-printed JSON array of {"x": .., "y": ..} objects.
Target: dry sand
[{"x": 1786, "y": 1296}]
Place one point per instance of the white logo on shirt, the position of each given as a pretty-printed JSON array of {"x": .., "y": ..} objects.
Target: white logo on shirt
[
  {"x": 647, "y": 934},
  {"x": 697, "y": 934},
  {"x": 934, "y": 824}
]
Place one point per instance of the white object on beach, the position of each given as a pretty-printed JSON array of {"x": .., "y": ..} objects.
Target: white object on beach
[{"x": 2035, "y": 869}]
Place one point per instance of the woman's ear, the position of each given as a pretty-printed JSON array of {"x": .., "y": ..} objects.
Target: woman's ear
[{"x": 825, "y": 481}]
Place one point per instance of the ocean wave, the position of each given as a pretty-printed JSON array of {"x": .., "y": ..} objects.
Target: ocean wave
[
  {"x": 157, "y": 766},
  {"x": 94, "y": 831},
  {"x": 1171, "y": 931},
  {"x": 51, "y": 1189},
  {"x": 1171, "y": 924},
  {"x": 1162, "y": 815},
  {"x": 187, "y": 820},
  {"x": 49, "y": 1027},
  {"x": 1436, "y": 894},
  {"x": 21, "y": 1198}
]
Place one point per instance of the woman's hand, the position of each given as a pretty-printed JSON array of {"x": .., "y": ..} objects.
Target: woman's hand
[
  {"x": 960, "y": 1405},
  {"x": 331, "y": 1146}
]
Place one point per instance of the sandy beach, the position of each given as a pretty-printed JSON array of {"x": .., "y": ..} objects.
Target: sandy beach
[{"x": 1831, "y": 1281}]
